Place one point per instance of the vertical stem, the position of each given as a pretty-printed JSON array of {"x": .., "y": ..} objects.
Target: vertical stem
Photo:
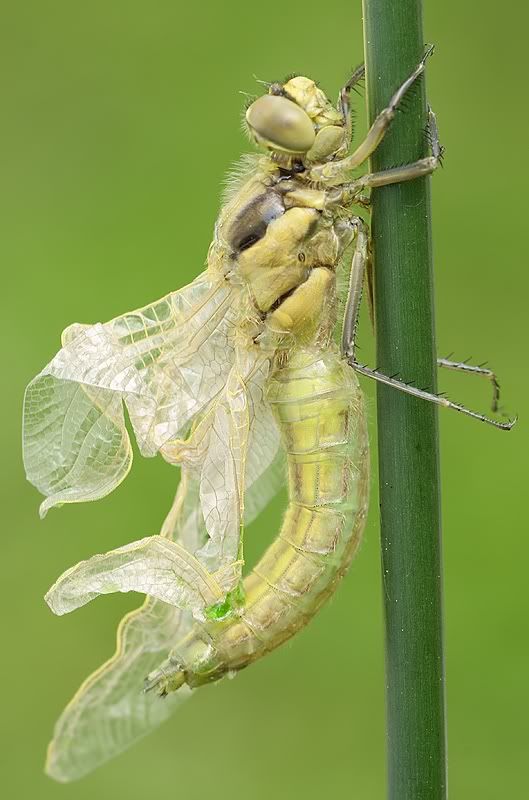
[{"x": 408, "y": 436}]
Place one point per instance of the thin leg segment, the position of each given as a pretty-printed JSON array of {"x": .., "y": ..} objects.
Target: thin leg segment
[
  {"x": 346, "y": 194},
  {"x": 350, "y": 323},
  {"x": 439, "y": 400},
  {"x": 356, "y": 282},
  {"x": 344, "y": 106},
  {"x": 464, "y": 366},
  {"x": 338, "y": 169}
]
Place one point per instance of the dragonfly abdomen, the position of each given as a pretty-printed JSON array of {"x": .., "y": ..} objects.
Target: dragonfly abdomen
[{"x": 320, "y": 411}]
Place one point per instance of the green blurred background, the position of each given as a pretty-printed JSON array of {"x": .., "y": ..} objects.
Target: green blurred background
[{"x": 119, "y": 121}]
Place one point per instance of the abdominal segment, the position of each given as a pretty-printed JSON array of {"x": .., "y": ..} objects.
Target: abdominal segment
[{"x": 318, "y": 405}]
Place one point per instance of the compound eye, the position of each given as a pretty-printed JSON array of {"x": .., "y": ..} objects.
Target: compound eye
[{"x": 280, "y": 123}]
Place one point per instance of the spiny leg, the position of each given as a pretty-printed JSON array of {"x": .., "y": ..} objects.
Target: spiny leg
[
  {"x": 350, "y": 323},
  {"x": 358, "y": 75},
  {"x": 348, "y": 347},
  {"x": 356, "y": 282},
  {"x": 344, "y": 106},
  {"x": 363, "y": 200},
  {"x": 338, "y": 169},
  {"x": 348, "y": 350},
  {"x": 464, "y": 366},
  {"x": 346, "y": 194},
  {"x": 438, "y": 399}
]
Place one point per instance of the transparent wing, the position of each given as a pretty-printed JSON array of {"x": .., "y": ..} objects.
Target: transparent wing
[
  {"x": 110, "y": 711},
  {"x": 265, "y": 466},
  {"x": 232, "y": 446},
  {"x": 165, "y": 361},
  {"x": 163, "y": 569},
  {"x": 266, "y": 485},
  {"x": 231, "y": 468}
]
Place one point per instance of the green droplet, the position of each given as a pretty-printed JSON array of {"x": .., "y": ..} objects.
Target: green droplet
[{"x": 233, "y": 601}]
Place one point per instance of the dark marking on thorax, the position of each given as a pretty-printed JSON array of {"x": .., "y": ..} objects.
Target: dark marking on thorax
[{"x": 253, "y": 219}]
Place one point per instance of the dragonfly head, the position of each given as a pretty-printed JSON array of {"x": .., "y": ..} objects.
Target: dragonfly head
[{"x": 296, "y": 119}]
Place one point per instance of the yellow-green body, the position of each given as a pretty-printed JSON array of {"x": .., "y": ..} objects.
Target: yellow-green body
[
  {"x": 217, "y": 377},
  {"x": 319, "y": 408}
]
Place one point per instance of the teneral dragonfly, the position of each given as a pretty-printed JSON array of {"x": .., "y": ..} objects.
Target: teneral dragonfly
[{"x": 224, "y": 378}]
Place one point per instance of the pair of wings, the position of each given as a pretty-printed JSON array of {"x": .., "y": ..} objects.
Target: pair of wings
[{"x": 194, "y": 386}]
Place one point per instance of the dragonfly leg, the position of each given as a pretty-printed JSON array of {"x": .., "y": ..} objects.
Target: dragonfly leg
[
  {"x": 356, "y": 282},
  {"x": 473, "y": 369},
  {"x": 344, "y": 106},
  {"x": 338, "y": 169},
  {"x": 346, "y": 194},
  {"x": 364, "y": 201},
  {"x": 438, "y": 399}
]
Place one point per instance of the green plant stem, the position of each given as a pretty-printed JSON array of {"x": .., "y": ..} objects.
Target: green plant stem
[{"x": 407, "y": 427}]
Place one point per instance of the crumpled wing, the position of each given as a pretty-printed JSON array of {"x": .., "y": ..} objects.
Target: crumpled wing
[
  {"x": 165, "y": 361},
  {"x": 267, "y": 483},
  {"x": 154, "y": 566},
  {"x": 232, "y": 446},
  {"x": 110, "y": 712}
]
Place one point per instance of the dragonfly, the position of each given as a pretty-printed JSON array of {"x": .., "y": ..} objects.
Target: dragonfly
[{"x": 240, "y": 378}]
